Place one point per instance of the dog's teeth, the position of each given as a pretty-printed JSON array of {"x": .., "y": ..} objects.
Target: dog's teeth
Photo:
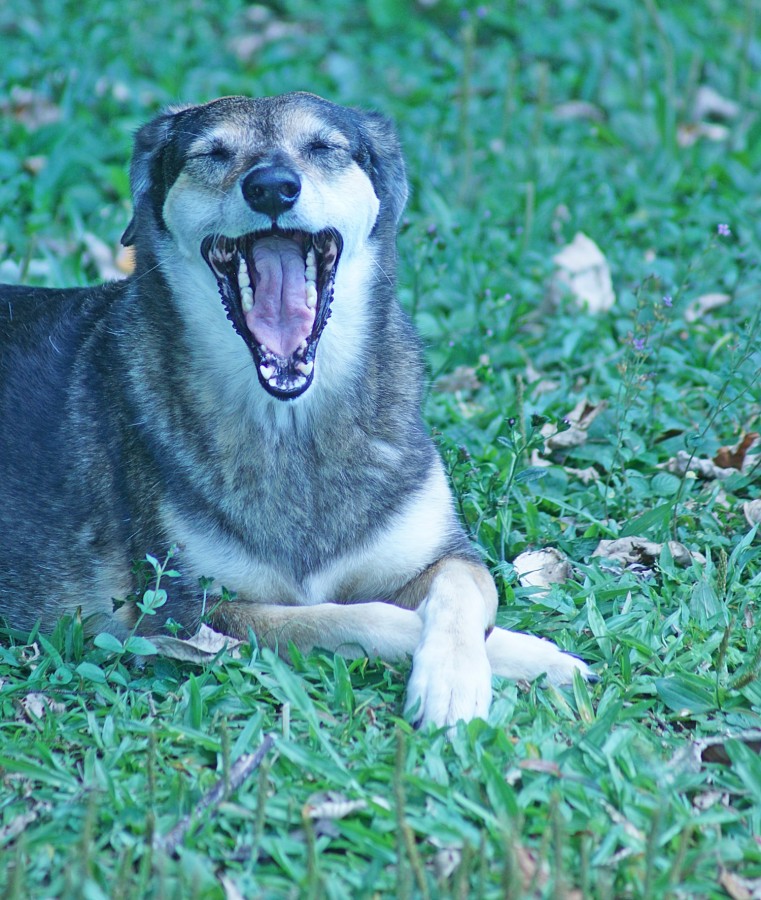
[
  {"x": 267, "y": 372},
  {"x": 311, "y": 258},
  {"x": 272, "y": 382},
  {"x": 246, "y": 299},
  {"x": 243, "y": 279},
  {"x": 311, "y": 296},
  {"x": 304, "y": 367}
]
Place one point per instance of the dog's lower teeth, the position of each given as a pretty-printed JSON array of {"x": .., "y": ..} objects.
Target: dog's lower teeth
[
  {"x": 247, "y": 299},
  {"x": 267, "y": 372},
  {"x": 272, "y": 382},
  {"x": 311, "y": 296},
  {"x": 305, "y": 367}
]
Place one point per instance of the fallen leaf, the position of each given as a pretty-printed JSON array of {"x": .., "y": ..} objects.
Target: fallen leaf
[
  {"x": 231, "y": 889},
  {"x": 685, "y": 462},
  {"x": 16, "y": 826},
  {"x": 706, "y": 303},
  {"x": 103, "y": 257},
  {"x": 463, "y": 378},
  {"x": 734, "y": 457},
  {"x": 542, "y": 568},
  {"x": 739, "y": 888},
  {"x": 641, "y": 551},
  {"x": 30, "y": 108},
  {"x": 331, "y": 805},
  {"x": 689, "y": 133},
  {"x": 578, "y": 419},
  {"x": 546, "y": 766},
  {"x": 446, "y": 862},
  {"x": 583, "y": 269},
  {"x": 709, "y": 104},
  {"x": 752, "y": 512},
  {"x": 578, "y": 109},
  {"x": 36, "y": 705},
  {"x": 202, "y": 647},
  {"x": 585, "y": 476}
]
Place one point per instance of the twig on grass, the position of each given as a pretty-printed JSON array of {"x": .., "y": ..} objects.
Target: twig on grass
[{"x": 240, "y": 771}]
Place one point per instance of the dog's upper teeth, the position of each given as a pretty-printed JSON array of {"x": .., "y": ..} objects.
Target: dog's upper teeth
[
  {"x": 305, "y": 367},
  {"x": 267, "y": 372},
  {"x": 246, "y": 298},
  {"x": 272, "y": 382},
  {"x": 311, "y": 295},
  {"x": 243, "y": 279}
]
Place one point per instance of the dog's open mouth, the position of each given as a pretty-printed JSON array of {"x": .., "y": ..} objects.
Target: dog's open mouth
[{"x": 277, "y": 287}]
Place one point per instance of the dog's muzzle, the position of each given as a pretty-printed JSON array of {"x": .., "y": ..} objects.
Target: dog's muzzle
[{"x": 277, "y": 287}]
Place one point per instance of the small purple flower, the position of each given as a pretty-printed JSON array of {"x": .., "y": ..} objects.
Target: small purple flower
[
  {"x": 638, "y": 344},
  {"x": 482, "y": 12},
  {"x": 451, "y": 344},
  {"x": 724, "y": 230},
  {"x": 667, "y": 301},
  {"x": 489, "y": 332}
]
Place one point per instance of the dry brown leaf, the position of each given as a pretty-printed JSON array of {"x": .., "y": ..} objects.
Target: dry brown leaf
[
  {"x": 709, "y": 104},
  {"x": 583, "y": 269},
  {"x": 752, "y": 512},
  {"x": 706, "y": 303},
  {"x": 230, "y": 888},
  {"x": 446, "y": 862},
  {"x": 35, "y": 705},
  {"x": 585, "y": 476},
  {"x": 16, "y": 826},
  {"x": 331, "y": 805},
  {"x": 689, "y": 133},
  {"x": 103, "y": 257},
  {"x": 534, "y": 871},
  {"x": 740, "y": 888},
  {"x": 641, "y": 551},
  {"x": 463, "y": 378},
  {"x": 30, "y": 108},
  {"x": 578, "y": 109},
  {"x": 579, "y": 419},
  {"x": 734, "y": 457},
  {"x": 542, "y": 568},
  {"x": 706, "y": 468},
  {"x": 201, "y": 648}
]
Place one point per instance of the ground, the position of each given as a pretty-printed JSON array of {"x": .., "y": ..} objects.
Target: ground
[{"x": 524, "y": 124}]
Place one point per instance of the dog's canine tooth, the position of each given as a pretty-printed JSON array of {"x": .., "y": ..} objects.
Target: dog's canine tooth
[
  {"x": 267, "y": 372},
  {"x": 305, "y": 367},
  {"x": 247, "y": 298}
]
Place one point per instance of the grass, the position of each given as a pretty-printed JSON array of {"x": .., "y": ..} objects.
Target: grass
[{"x": 647, "y": 784}]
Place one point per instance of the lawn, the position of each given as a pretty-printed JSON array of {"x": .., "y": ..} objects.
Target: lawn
[{"x": 563, "y": 425}]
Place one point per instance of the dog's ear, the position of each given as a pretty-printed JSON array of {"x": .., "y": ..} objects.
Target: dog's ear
[
  {"x": 386, "y": 164},
  {"x": 150, "y": 141}
]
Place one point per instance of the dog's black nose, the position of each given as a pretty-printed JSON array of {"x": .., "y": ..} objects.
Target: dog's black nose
[{"x": 271, "y": 190}]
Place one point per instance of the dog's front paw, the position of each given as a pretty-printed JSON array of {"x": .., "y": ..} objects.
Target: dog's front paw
[
  {"x": 563, "y": 665},
  {"x": 515, "y": 655},
  {"x": 447, "y": 684}
]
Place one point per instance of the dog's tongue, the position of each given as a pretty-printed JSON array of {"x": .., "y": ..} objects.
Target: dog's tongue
[{"x": 280, "y": 319}]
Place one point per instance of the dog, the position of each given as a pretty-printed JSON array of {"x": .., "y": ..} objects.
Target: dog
[{"x": 251, "y": 394}]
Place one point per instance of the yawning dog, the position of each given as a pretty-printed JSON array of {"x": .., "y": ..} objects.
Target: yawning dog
[{"x": 251, "y": 394}]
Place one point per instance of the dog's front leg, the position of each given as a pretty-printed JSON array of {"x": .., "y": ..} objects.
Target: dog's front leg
[{"x": 451, "y": 674}]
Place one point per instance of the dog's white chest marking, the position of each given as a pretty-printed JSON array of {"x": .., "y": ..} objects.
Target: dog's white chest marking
[{"x": 396, "y": 554}]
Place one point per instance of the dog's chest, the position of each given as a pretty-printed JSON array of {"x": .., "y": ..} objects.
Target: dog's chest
[{"x": 339, "y": 532}]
